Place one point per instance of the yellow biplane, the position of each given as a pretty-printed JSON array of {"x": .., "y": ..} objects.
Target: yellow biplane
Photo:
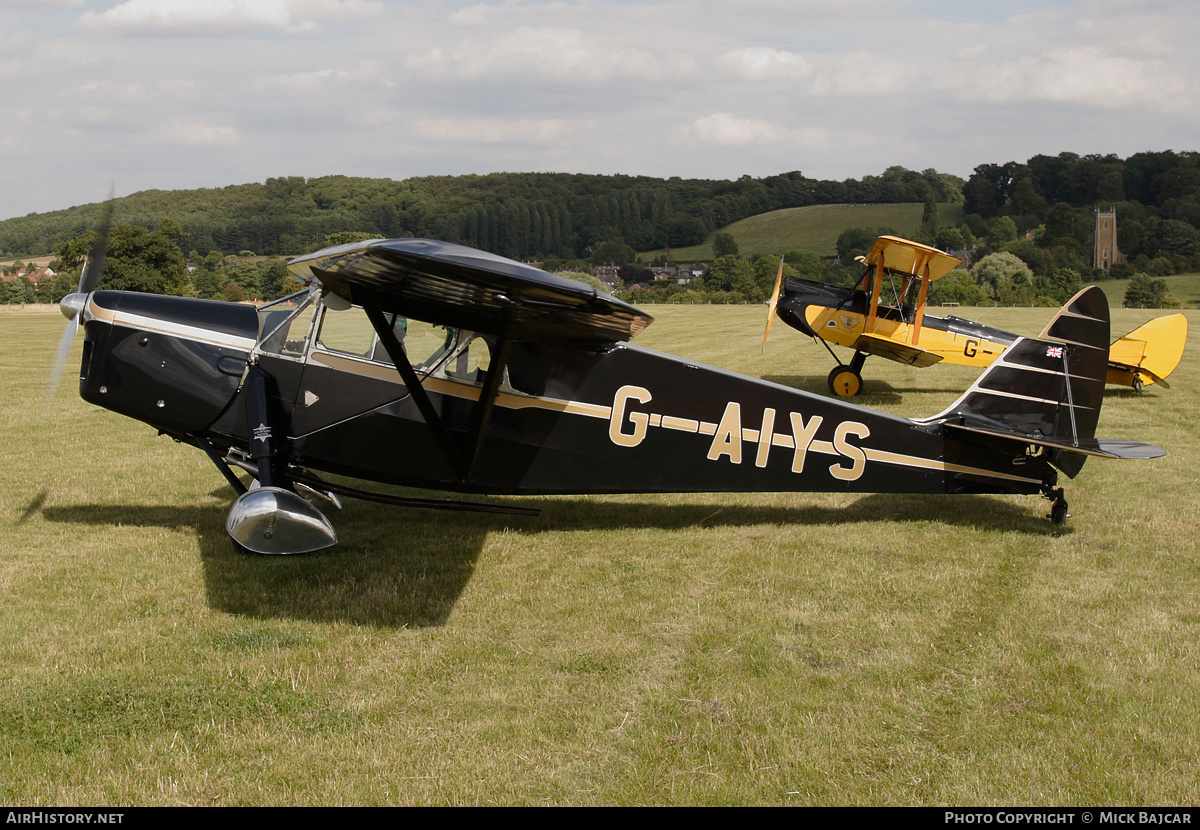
[{"x": 894, "y": 324}]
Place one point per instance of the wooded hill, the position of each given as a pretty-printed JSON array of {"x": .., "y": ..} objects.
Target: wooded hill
[
  {"x": 1041, "y": 210},
  {"x": 519, "y": 215}
]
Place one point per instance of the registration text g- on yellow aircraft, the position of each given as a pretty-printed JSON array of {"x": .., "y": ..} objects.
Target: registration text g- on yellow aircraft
[{"x": 857, "y": 318}]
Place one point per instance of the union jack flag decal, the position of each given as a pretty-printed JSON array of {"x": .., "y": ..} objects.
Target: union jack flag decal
[{"x": 1054, "y": 351}]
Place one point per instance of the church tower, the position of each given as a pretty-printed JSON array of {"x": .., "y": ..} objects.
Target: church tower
[{"x": 1104, "y": 249}]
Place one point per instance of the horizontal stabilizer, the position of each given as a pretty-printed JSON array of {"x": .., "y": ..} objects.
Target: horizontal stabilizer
[
  {"x": 1153, "y": 349},
  {"x": 1103, "y": 447},
  {"x": 1137, "y": 372},
  {"x": 874, "y": 344},
  {"x": 461, "y": 287}
]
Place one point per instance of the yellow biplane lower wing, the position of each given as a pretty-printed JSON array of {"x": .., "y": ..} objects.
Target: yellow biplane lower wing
[{"x": 875, "y": 344}]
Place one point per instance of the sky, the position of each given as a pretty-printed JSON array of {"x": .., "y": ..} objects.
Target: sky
[{"x": 131, "y": 95}]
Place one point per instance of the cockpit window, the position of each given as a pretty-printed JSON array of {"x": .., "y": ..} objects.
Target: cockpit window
[
  {"x": 283, "y": 326},
  {"x": 346, "y": 331},
  {"x": 349, "y": 332},
  {"x": 471, "y": 361}
]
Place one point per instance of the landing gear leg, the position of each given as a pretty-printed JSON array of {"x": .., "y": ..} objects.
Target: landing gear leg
[
  {"x": 271, "y": 518},
  {"x": 1137, "y": 384}
]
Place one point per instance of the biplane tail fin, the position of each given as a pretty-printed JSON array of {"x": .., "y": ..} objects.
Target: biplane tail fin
[{"x": 1048, "y": 392}]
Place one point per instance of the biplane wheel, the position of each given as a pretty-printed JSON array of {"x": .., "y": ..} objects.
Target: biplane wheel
[
  {"x": 845, "y": 382},
  {"x": 1137, "y": 385}
]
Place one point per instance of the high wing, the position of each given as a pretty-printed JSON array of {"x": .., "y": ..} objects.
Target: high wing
[
  {"x": 465, "y": 288},
  {"x": 895, "y": 350},
  {"x": 908, "y": 257}
]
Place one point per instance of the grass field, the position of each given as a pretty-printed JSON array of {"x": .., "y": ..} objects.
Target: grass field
[
  {"x": 814, "y": 228},
  {"x": 669, "y": 650}
]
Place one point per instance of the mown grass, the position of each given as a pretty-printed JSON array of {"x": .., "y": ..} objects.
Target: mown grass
[
  {"x": 813, "y": 228},
  {"x": 727, "y": 649}
]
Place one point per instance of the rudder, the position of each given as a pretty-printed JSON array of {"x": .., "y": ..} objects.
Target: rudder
[{"x": 1048, "y": 390}]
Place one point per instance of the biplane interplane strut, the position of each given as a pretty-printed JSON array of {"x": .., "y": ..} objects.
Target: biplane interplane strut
[{"x": 426, "y": 364}]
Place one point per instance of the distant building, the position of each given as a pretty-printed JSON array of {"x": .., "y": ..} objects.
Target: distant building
[
  {"x": 1104, "y": 246},
  {"x": 33, "y": 273}
]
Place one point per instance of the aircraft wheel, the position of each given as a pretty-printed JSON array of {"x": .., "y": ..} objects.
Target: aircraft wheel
[
  {"x": 1058, "y": 512},
  {"x": 845, "y": 382},
  {"x": 1137, "y": 385}
]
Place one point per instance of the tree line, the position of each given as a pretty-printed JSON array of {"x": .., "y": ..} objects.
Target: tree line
[
  {"x": 1043, "y": 211},
  {"x": 1025, "y": 232},
  {"x": 518, "y": 215}
]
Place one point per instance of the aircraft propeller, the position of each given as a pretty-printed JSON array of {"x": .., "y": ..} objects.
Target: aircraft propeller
[
  {"x": 72, "y": 305},
  {"x": 771, "y": 307}
]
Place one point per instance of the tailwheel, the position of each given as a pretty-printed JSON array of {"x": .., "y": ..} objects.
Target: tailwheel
[
  {"x": 1058, "y": 509},
  {"x": 1137, "y": 384},
  {"x": 845, "y": 382}
]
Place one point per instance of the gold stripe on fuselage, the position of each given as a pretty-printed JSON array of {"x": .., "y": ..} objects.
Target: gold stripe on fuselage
[{"x": 513, "y": 400}]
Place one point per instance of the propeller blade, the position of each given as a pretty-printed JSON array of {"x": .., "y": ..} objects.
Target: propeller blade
[
  {"x": 771, "y": 307},
  {"x": 73, "y": 304},
  {"x": 94, "y": 263},
  {"x": 64, "y": 347}
]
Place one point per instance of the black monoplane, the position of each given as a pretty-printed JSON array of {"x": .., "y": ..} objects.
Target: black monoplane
[{"x": 426, "y": 364}]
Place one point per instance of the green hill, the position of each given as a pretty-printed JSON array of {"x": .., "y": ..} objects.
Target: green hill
[
  {"x": 518, "y": 215},
  {"x": 813, "y": 228}
]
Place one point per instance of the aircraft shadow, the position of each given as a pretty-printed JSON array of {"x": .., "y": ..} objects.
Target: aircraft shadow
[
  {"x": 874, "y": 391},
  {"x": 1126, "y": 392},
  {"x": 399, "y": 568}
]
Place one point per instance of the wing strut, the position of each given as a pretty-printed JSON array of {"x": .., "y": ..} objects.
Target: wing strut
[
  {"x": 462, "y": 464},
  {"x": 875, "y": 288},
  {"x": 400, "y": 359},
  {"x": 922, "y": 296},
  {"x": 487, "y": 399}
]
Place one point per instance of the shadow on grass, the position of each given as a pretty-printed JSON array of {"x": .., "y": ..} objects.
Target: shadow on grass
[
  {"x": 875, "y": 392},
  {"x": 407, "y": 568},
  {"x": 1127, "y": 392}
]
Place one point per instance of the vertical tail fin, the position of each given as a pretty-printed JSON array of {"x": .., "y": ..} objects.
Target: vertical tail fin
[{"x": 1049, "y": 390}]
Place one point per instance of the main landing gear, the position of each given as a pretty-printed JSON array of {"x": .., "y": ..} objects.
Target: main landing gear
[{"x": 846, "y": 381}]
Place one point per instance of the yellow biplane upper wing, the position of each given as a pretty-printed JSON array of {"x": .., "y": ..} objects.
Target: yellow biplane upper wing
[
  {"x": 1154, "y": 349},
  {"x": 895, "y": 350},
  {"x": 910, "y": 257}
]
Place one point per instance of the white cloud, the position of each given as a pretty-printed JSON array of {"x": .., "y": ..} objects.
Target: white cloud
[
  {"x": 499, "y": 130},
  {"x": 194, "y": 133},
  {"x": 867, "y": 73},
  {"x": 209, "y": 17},
  {"x": 725, "y": 130},
  {"x": 1088, "y": 76},
  {"x": 729, "y": 131},
  {"x": 760, "y": 63},
  {"x": 561, "y": 54}
]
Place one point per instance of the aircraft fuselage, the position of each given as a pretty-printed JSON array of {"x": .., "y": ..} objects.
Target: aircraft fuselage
[{"x": 566, "y": 419}]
